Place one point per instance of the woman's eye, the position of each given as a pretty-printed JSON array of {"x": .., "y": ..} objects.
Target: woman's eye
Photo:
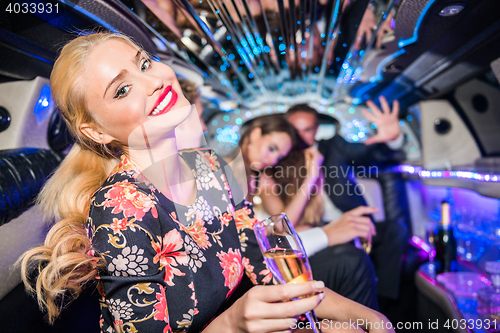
[
  {"x": 272, "y": 149},
  {"x": 145, "y": 64},
  {"x": 122, "y": 92}
]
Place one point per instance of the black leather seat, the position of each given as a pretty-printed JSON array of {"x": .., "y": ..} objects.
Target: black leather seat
[
  {"x": 23, "y": 172},
  {"x": 395, "y": 206}
]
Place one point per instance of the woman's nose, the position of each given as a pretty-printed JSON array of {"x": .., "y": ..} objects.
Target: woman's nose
[{"x": 154, "y": 83}]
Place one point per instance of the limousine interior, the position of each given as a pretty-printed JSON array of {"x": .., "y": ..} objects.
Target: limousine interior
[{"x": 439, "y": 58}]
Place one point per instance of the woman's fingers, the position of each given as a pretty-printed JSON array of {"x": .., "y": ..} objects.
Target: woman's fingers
[
  {"x": 285, "y": 292},
  {"x": 272, "y": 325},
  {"x": 275, "y": 308},
  {"x": 295, "y": 307}
]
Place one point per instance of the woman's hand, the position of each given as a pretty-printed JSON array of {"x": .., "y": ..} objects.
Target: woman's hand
[
  {"x": 350, "y": 225},
  {"x": 269, "y": 309},
  {"x": 314, "y": 160},
  {"x": 387, "y": 121}
]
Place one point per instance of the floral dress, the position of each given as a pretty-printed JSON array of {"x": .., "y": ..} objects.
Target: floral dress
[{"x": 171, "y": 267}]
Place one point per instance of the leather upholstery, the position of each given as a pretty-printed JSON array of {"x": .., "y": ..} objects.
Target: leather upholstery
[
  {"x": 22, "y": 174},
  {"x": 395, "y": 198}
]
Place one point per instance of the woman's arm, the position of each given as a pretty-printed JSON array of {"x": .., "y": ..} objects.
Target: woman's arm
[
  {"x": 338, "y": 308},
  {"x": 132, "y": 243}
]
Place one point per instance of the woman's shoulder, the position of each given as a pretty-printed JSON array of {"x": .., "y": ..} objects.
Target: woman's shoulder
[{"x": 124, "y": 189}]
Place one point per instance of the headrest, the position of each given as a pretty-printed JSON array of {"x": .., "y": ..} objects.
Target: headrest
[{"x": 22, "y": 174}]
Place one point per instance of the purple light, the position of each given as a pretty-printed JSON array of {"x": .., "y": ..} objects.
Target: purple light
[
  {"x": 432, "y": 255},
  {"x": 419, "y": 242},
  {"x": 412, "y": 170},
  {"x": 409, "y": 169},
  {"x": 485, "y": 280}
]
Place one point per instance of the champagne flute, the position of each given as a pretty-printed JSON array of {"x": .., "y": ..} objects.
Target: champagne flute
[{"x": 284, "y": 255}]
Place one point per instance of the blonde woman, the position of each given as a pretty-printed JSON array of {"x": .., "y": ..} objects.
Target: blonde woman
[{"x": 164, "y": 231}]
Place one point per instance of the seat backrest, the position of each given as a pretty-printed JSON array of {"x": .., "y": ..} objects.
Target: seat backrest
[
  {"x": 386, "y": 190},
  {"x": 22, "y": 174}
]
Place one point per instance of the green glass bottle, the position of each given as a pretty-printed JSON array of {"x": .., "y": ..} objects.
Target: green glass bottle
[{"x": 444, "y": 242}]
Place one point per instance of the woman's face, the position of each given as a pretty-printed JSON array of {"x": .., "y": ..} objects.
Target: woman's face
[
  {"x": 124, "y": 89},
  {"x": 266, "y": 150}
]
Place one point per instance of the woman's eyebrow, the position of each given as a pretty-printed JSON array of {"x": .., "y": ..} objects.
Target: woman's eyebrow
[
  {"x": 116, "y": 78},
  {"x": 122, "y": 74}
]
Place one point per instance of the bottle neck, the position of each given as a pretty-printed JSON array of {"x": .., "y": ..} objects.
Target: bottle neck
[{"x": 445, "y": 214}]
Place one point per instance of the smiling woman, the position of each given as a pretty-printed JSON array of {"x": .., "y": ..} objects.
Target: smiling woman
[
  {"x": 135, "y": 89},
  {"x": 166, "y": 233}
]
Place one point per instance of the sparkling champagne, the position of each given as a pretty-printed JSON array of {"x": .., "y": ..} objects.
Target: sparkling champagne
[{"x": 287, "y": 265}]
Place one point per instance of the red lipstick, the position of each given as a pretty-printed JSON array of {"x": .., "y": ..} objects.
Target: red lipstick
[{"x": 161, "y": 97}]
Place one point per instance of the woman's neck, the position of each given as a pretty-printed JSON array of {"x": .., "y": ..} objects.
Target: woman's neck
[{"x": 166, "y": 170}]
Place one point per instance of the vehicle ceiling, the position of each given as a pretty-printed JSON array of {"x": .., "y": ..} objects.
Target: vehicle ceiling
[{"x": 263, "y": 55}]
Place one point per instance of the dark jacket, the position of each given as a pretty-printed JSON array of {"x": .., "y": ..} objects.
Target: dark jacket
[{"x": 343, "y": 161}]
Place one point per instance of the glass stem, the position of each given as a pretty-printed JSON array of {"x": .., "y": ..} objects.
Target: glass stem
[{"x": 311, "y": 317}]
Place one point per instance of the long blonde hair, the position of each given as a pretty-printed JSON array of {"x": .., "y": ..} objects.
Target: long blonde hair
[{"x": 63, "y": 265}]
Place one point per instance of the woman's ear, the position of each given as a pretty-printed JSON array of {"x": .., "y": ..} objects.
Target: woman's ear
[
  {"x": 93, "y": 133},
  {"x": 255, "y": 134}
]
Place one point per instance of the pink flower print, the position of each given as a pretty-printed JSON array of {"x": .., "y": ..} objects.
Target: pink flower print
[
  {"x": 162, "y": 310},
  {"x": 169, "y": 255},
  {"x": 232, "y": 268},
  {"x": 119, "y": 225},
  {"x": 125, "y": 197},
  {"x": 198, "y": 232}
]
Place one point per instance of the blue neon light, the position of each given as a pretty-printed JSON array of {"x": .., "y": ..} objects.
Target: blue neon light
[
  {"x": 384, "y": 62},
  {"x": 359, "y": 94},
  {"x": 413, "y": 39},
  {"x": 44, "y": 106}
]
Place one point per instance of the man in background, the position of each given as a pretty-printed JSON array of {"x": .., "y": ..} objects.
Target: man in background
[{"x": 392, "y": 236}]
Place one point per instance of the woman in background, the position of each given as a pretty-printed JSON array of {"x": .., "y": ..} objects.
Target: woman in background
[
  {"x": 287, "y": 188},
  {"x": 271, "y": 146}
]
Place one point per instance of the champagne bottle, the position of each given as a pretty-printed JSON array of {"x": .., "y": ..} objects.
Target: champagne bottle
[{"x": 444, "y": 242}]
